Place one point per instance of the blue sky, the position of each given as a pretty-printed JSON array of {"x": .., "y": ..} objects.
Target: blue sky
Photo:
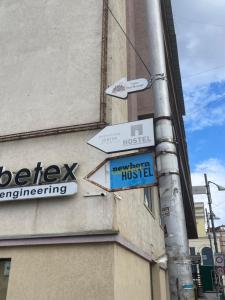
[{"x": 200, "y": 30}]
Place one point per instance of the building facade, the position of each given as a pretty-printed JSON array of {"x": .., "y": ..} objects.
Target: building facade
[
  {"x": 220, "y": 234},
  {"x": 57, "y": 58},
  {"x": 204, "y": 245}
]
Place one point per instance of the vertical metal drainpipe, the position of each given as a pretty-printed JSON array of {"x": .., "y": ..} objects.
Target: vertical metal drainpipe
[{"x": 179, "y": 265}]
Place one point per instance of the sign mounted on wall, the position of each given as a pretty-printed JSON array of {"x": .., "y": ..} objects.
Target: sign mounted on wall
[
  {"x": 125, "y": 172},
  {"x": 52, "y": 181},
  {"x": 125, "y": 136}
]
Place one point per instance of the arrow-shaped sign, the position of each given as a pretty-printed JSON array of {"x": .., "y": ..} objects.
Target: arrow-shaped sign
[
  {"x": 125, "y": 172},
  {"x": 125, "y": 136},
  {"x": 122, "y": 88}
]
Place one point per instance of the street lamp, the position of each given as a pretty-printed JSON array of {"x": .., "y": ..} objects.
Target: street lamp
[
  {"x": 211, "y": 214},
  {"x": 219, "y": 187},
  {"x": 206, "y": 190}
]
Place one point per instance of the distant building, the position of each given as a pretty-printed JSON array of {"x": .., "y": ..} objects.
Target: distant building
[
  {"x": 220, "y": 234},
  {"x": 202, "y": 244}
]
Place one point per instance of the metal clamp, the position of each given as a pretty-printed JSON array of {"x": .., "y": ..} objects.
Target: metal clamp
[
  {"x": 164, "y": 152},
  {"x": 168, "y": 174},
  {"x": 166, "y": 140},
  {"x": 160, "y": 76}
]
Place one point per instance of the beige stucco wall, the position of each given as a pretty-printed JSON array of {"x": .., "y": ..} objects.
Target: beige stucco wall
[
  {"x": 117, "y": 111},
  {"x": 72, "y": 214},
  {"x": 160, "y": 284},
  {"x": 101, "y": 272},
  {"x": 132, "y": 276},
  {"x": 48, "y": 48},
  {"x": 138, "y": 224},
  {"x": 78, "y": 213},
  {"x": 57, "y": 272},
  {"x": 200, "y": 221},
  {"x": 163, "y": 283},
  {"x": 61, "y": 272}
]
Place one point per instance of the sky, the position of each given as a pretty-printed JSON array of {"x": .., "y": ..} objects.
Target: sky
[{"x": 200, "y": 30}]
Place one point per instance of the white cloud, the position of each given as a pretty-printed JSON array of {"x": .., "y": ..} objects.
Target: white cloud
[
  {"x": 204, "y": 108},
  {"x": 200, "y": 30},
  {"x": 215, "y": 171},
  {"x": 200, "y": 27}
]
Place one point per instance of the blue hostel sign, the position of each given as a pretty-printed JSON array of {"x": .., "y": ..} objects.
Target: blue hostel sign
[
  {"x": 132, "y": 171},
  {"x": 125, "y": 172}
]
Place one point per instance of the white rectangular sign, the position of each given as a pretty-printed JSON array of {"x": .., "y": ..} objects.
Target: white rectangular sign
[
  {"x": 38, "y": 191},
  {"x": 199, "y": 190},
  {"x": 125, "y": 136}
]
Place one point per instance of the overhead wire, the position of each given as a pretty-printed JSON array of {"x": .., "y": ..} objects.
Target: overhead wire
[
  {"x": 209, "y": 24},
  {"x": 129, "y": 41},
  {"x": 140, "y": 57},
  {"x": 197, "y": 22},
  {"x": 206, "y": 71}
]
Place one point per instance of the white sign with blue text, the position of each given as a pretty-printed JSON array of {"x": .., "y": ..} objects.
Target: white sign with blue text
[{"x": 125, "y": 172}]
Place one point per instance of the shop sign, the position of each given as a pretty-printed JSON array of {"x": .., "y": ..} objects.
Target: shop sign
[{"x": 53, "y": 181}]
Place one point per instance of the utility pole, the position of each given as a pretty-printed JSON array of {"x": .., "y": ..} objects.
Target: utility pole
[
  {"x": 209, "y": 235},
  {"x": 211, "y": 212},
  {"x": 211, "y": 216},
  {"x": 179, "y": 264}
]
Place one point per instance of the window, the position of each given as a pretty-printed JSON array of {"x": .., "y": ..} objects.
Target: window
[
  {"x": 148, "y": 198},
  {"x": 192, "y": 250},
  {"x": 4, "y": 277}
]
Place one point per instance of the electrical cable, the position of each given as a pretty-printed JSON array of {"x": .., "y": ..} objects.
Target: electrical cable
[
  {"x": 129, "y": 41},
  {"x": 206, "y": 71},
  {"x": 191, "y": 21}
]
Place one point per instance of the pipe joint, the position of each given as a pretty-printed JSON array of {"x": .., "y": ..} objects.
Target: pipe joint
[{"x": 166, "y": 147}]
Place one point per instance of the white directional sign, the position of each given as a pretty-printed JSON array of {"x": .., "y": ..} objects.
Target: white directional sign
[
  {"x": 121, "y": 88},
  {"x": 125, "y": 136}
]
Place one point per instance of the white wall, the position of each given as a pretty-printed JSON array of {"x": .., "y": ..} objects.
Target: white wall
[{"x": 50, "y": 63}]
